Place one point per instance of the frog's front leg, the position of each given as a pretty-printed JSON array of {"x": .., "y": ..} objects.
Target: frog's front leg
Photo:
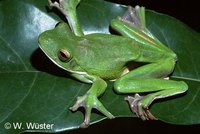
[
  {"x": 149, "y": 78},
  {"x": 68, "y": 9},
  {"x": 90, "y": 99}
]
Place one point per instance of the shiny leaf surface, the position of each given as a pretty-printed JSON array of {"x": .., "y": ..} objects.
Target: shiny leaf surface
[{"x": 34, "y": 90}]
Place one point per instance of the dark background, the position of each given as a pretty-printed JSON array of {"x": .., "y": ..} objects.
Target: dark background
[
  {"x": 136, "y": 126},
  {"x": 188, "y": 12}
]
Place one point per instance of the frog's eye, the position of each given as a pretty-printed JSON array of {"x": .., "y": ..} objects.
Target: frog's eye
[{"x": 64, "y": 55}]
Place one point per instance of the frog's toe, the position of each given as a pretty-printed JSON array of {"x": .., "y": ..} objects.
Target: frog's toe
[
  {"x": 79, "y": 103},
  {"x": 133, "y": 102},
  {"x": 142, "y": 111},
  {"x": 86, "y": 121},
  {"x": 139, "y": 108},
  {"x": 88, "y": 102}
]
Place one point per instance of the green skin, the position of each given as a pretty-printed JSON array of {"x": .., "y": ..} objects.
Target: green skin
[{"x": 97, "y": 57}]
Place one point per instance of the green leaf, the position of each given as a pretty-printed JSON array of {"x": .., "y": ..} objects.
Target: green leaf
[
  {"x": 34, "y": 90},
  {"x": 185, "y": 43}
]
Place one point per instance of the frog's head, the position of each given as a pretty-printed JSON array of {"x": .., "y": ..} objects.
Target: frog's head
[{"x": 59, "y": 44}]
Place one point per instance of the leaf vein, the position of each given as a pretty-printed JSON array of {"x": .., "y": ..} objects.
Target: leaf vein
[
  {"x": 8, "y": 72},
  {"x": 189, "y": 103},
  {"x": 22, "y": 100},
  {"x": 185, "y": 78},
  {"x": 65, "y": 109},
  {"x": 14, "y": 52}
]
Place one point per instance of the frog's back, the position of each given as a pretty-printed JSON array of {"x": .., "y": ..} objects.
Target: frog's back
[{"x": 105, "y": 55}]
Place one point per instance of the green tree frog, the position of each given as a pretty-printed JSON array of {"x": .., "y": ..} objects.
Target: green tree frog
[{"x": 97, "y": 57}]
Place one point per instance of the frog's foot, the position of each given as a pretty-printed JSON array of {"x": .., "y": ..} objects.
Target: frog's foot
[
  {"x": 59, "y": 5},
  {"x": 134, "y": 17},
  {"x": 68, "y": 9},
  {"x": 64, "y": 6},
  {"x": 89, "y": 101},
  {"x": 139, "y": 108}
]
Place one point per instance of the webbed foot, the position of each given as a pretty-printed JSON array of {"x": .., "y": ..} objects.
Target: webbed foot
[
  {"x": 134, "y": 16},
  {"x": 138, "y": 106},
  {"x": 134, "y": 19},
  {"x": 89, "y": 101}
]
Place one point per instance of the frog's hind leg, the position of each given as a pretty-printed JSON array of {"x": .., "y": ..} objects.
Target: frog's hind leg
[
  {"x": 164, "y": 88},
  {"x": 148, "y": 78},
  {"x": 133, "y": 25},
  {"x": 132, "y": 22}
]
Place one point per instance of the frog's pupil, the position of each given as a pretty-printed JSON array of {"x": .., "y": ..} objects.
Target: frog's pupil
[{"x": 63, "y": 55}]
